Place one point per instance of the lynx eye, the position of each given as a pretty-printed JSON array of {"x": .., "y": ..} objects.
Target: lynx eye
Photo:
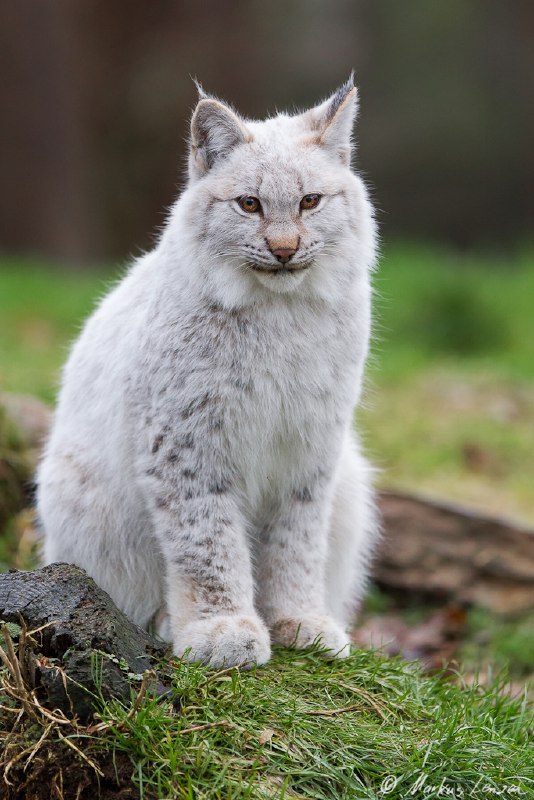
[
  {"x": 250, "y": 204},
  {"x": 310, "y": 201}
]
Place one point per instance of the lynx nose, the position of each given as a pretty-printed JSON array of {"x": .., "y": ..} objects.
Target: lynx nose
[{"x": 283, "y": 254}]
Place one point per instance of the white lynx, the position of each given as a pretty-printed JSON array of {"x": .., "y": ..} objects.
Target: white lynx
[{"x": 202, "y": 466}]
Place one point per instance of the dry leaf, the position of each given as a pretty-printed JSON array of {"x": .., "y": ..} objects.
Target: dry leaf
[{"x": 266, "y": 736}]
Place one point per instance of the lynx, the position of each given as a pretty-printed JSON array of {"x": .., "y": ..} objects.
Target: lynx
[{"x": 202, "y": 466}]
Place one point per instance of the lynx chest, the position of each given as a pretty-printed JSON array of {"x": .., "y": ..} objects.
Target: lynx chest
[{"x": 287, "y": 386}]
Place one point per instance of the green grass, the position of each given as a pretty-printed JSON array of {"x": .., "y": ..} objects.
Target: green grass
[
  {"x": 305, "y": 728},
  {"x": 300, "y": 727},
  {"x": 42, "y": 308},
  {"x": 483, "y": 639},
  {"x": 467, "y": 312},
  {"x": 470, "y": 311},
  {"x": 505, "y": 643},
  {"x": 15, "y": 470}
]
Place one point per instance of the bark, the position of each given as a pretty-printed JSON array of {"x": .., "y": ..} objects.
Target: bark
[
  {"x": 447, "y": 551},
  {"x": 86, "y": 638}
]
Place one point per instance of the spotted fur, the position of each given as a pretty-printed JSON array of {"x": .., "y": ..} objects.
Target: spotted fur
[{"x": 202, "y": 465}]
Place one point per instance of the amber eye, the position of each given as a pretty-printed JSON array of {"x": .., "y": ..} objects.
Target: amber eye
[
  {"x": 310, "y": 201},
  {"x": 250, "y": 204}
]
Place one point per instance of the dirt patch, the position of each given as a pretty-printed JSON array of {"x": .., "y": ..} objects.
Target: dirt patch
[{"x": 58, "y": 773}]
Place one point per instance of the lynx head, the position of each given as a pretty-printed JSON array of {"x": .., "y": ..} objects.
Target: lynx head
[{"x": 274, "y": 204}]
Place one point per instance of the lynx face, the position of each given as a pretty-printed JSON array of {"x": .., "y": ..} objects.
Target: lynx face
[{"x": 275, "y": 202}]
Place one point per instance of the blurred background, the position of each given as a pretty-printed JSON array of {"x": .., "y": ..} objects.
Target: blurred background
[{"x": 96, "y": 98}]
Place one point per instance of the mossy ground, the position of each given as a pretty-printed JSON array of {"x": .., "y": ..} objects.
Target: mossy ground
[{"x": 300, "y": 727}]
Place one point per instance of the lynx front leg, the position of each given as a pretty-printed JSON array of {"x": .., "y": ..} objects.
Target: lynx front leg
[
  {"x": 292, "y": 575},
  {"x": 209, "y": 581}
]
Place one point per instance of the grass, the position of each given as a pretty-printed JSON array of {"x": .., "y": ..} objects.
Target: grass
[
  {"x": 314, "y": 730},
  {"x": 505, "y": 643},
  {"x": 450, "y": 399},
  {"x": 41, "y": 311},
  {"x": 475, "y": 640},
  {"x": 302, "y": 727},
  {"x": 15, "y": 470},
  {"x": 467, "y": 311},
  {"x": 454, "y": 434}
]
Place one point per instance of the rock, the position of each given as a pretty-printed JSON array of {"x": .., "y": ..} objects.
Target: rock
[{"x": 87, "y": 646}]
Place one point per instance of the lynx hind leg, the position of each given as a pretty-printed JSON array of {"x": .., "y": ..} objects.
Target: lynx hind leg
[
  {"x": 354, "y": 531},
  {"x": 88, "y": 526}
]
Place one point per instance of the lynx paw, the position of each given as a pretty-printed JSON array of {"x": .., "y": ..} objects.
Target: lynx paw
[
  {"x": 303, "y": 631},
  {"x": 224, "y": 641}
]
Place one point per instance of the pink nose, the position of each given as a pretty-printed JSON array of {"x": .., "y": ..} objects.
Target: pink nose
[{"x": 283, "y": 254}]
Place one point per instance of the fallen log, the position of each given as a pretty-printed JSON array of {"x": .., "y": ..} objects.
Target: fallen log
[
  {"x": 78, "y": 645},
  {"x": 449, "y": 552}
]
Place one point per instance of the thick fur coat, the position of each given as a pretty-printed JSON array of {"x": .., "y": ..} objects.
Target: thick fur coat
[{"x": 202, "y": 465}]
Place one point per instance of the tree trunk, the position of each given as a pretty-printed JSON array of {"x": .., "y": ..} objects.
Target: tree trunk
[{"x": 444, "y": 550}]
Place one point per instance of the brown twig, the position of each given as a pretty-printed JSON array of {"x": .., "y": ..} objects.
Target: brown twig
[
  {"x": 141, "y": 693},
  {"x": 38, "y": 744},
  {"x": 81, "y": 754},
  {"x": 21, "y": 655},
  {"x": 49, "y": 715},
  {"x": 378, "y": 707},
  {"x": 15, "y": 686},
  {"x": 11, "y": 662},
  {"x": 4, "y": 656}
]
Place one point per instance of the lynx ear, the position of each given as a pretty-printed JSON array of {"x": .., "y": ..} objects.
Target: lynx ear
[
  {"x": 333, "y": 120},
  {"x": 215, "y": 131}
]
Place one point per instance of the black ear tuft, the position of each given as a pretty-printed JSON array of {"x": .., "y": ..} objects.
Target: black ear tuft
[
  {"x": 332, "y": 121},
  {"x": 339, "y": 96}
]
